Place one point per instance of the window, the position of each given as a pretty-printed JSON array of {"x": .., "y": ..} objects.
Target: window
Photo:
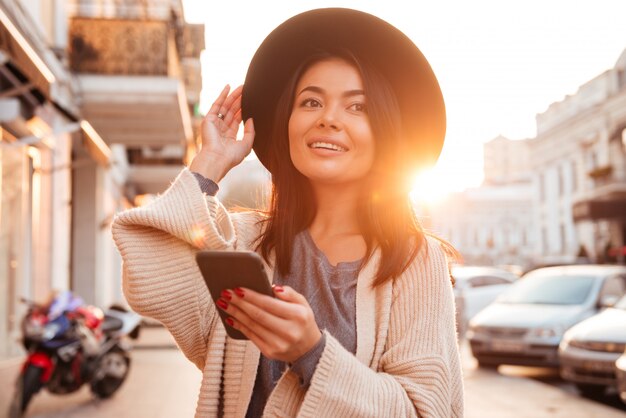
[
  {"x": 15, "y": 240},
  {"x": 613, "y": 288},
  {"x": 593, "y": 161}
]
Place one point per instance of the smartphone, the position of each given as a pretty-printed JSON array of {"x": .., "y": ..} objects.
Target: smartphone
[{"x": 230, "y": 269}]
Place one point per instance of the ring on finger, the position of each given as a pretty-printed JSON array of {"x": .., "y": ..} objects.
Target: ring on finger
[{"x": 220, "y": 116}]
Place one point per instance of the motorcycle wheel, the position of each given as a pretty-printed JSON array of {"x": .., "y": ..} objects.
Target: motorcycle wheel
[
  {"x": 28, "y": 383},
  {"x": 112, "y": 371}
]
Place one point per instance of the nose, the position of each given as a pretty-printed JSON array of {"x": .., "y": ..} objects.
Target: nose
[{"x": 329, "y": 119}]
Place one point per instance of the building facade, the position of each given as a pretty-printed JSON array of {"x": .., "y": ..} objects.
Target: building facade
[
  {"x": 489, "y": 225},
  {"x": 97, "y": 109},
  {"x": 579, "y": 171},
  {"x": 559, "y": 197},
  {"x": 506, "y": 161},
  {"x": 492, "y": 224}
]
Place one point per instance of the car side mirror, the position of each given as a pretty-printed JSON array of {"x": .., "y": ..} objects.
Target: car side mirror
[{"x": 608, "y": 301}]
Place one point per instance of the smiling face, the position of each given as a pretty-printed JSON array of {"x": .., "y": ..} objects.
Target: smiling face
[{"x": 330, "y": 137}]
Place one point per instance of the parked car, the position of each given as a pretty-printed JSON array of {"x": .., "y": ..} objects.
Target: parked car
[
  {"x": 524, "y": 325},
  {"x": 589, "y": 350},
  {"x": 476, "y": 287},
  {"x": 620, "y": 375}
]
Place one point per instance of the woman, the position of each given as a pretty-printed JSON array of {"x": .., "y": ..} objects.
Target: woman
[{"x": 341, "y": 108}]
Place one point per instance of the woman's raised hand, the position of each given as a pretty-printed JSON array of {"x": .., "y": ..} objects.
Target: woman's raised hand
[{"x": 221, "y": 150}]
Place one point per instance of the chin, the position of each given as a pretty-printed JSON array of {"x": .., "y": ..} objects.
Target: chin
[
  {"x": 333, "y": 178},
  {"x": 327, "y": 172}
]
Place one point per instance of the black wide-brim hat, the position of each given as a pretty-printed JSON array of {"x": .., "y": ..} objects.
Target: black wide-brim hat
[{"x": 368, "y": 37}]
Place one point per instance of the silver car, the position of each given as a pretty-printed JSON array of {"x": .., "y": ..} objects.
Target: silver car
[
  {"x": 476, "y": 287},
  {"x": 524, "y": 326},
  {"x": 589, "y": 350}
]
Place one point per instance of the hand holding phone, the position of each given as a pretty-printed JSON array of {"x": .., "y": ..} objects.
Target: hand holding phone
[{"x": 230, "y": 269}]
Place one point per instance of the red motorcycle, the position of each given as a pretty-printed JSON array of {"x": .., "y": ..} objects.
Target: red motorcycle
[{"x": 70, "y": 344}]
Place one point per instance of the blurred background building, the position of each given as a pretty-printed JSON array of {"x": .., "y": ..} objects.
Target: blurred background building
[
  {"x": 98, "y": 109},
  {"x": 559, "y": 197},
  {"x": 579, "y": 171},
  {"x": 506, "y": 161},
  {"x": 492, "y": 224}
]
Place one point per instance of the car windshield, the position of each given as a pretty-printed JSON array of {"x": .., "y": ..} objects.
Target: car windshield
[{"x": 550, "y": 290}]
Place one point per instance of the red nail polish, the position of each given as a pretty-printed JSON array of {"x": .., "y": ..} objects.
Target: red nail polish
[
  {"x": 230, "y": 321},
  {"x": 222, "y": 303},
  {"x": 239, "y": 292},
  {"x": 278, "y": 289},
  {"x": 226, "y": 294}
]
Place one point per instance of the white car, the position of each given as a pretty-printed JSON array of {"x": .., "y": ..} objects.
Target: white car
[
  {"x": 525, "y": 325},
  {"x": 476, "y": 287},
  {"x": 590, "y": 349}
]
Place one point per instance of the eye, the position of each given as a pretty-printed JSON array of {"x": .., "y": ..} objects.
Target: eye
[
  {"x": 358, "y": 107},
  {"x": 310, "y": 102}
]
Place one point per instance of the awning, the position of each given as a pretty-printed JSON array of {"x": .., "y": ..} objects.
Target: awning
[
  {"x": 596, "y": 209},
  {"x": 22, "y": 55},
  {"x": 135, "y": 110}
]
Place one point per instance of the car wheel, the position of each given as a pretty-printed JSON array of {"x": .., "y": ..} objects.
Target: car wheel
[
  {"x": 591, "y": 391},
  {"x": 486, "y": 365}
]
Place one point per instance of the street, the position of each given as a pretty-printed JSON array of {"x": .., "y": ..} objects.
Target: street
[{"x": 162, "y": 383}]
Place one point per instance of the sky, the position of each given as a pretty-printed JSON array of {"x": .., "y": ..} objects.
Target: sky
[{"x": 499, "y": 63}]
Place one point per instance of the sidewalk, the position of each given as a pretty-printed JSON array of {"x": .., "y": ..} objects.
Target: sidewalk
[{"x": 162, "y": 383}]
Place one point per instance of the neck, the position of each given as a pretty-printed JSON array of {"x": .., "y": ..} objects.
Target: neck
[{"x": 337, "y": 210}]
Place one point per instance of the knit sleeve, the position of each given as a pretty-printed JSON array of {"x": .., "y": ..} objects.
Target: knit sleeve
[
  {"x": 419, "y": 374},
  {"x": 158, "y": 243}
]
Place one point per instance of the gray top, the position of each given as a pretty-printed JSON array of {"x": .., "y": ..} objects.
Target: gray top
[{"x": 331, "y": 292}]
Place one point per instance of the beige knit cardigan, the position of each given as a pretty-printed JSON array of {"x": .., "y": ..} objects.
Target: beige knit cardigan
[{"x": 407, "y": 360}]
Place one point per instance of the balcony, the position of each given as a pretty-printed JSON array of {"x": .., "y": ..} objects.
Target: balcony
[
  {"x": 152, "y": 168},
  {"x": 131, "y": 82},
  {"x": 607, "y": 200}
]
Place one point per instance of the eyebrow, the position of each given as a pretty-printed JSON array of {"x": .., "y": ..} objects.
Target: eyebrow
[{"x": 347, "y": 93}]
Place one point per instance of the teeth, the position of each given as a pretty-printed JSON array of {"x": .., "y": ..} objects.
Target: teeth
[{"x": 327, "y": 145}]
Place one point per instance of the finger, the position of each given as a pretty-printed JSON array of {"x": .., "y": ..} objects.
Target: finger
[
  {"x": 234, "y": 124},
  {"x": 232, "y": 111},
  {"x": 263, "y": 324},
  {"x": 237, "y": 119},
  {"x": 288, "y": 294},
  {"x": 263, "y": 303},
  {"x": 248, "y": 133},
  {"x": 217, "y": 104},
  {"x": 252, "y": 336},
  {"x": 225, "y": 108}
]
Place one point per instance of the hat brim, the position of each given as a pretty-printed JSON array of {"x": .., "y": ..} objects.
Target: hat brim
[{"x": 393, "y": 54}]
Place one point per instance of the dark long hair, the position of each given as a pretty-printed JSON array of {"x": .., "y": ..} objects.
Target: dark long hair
[{"x": 386, "y": 219}]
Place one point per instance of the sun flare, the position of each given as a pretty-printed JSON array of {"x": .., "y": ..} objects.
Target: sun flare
[{"x": 430, "y": 187}]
